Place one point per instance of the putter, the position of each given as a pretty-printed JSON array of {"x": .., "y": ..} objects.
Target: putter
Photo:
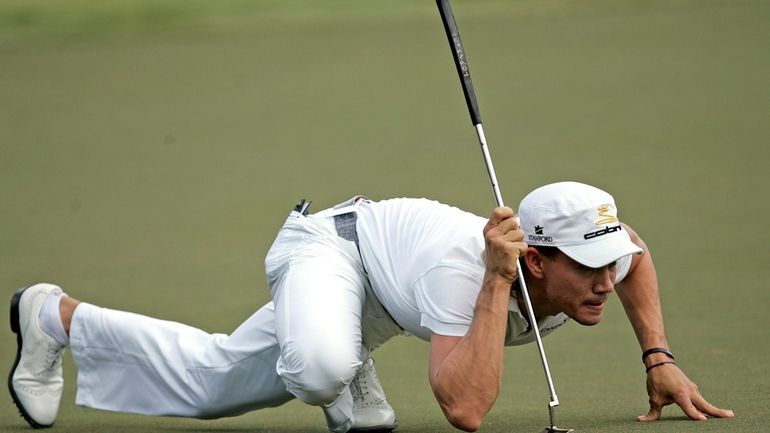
[{"x": 461, "y": 62}]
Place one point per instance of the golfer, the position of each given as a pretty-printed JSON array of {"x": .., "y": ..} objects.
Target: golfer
[{"x": 347, "y": 279}]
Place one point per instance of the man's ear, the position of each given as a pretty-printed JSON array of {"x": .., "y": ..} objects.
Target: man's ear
[{"x": 533, "y": 260}]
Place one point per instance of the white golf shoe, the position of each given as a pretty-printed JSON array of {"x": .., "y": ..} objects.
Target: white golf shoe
[
  {"x": 35, "y": 381},
  {"x": 371, "y": 411}
]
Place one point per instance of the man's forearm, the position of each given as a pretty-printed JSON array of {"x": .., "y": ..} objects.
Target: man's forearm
[
  {"x": 467, "y": 381},
  {"x": 465, "y": 372},
  {"x": 641, "y": 301}
]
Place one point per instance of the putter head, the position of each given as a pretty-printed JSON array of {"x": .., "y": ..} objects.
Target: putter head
[{"x": 557, "y": 430}]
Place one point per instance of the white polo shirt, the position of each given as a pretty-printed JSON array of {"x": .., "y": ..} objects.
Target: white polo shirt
[{"x": 425, "y": 265}]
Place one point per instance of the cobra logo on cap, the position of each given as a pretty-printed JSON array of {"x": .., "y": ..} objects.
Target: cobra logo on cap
[{"x": 607, "y": 216}]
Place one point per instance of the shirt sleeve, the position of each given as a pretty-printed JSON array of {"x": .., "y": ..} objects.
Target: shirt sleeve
[{"x": 445, "y": 298}]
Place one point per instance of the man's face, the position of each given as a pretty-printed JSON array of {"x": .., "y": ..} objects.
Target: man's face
[{"x": 577, "y": 290}]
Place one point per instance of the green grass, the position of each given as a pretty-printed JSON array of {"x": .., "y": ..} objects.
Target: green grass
[{"x": 149, "y": 151}]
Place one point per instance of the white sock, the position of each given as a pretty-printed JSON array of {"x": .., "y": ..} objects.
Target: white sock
[{"x": 50, "y": 318}]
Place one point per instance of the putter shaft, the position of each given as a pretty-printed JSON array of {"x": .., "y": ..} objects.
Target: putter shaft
[
  {"x": 461, "y": 63},
  {"x": 554, "y": 399}
]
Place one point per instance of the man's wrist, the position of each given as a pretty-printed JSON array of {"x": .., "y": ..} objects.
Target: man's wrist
[
  {"x": 658, "y": 364},
  {"x": 655, "y": 358},
  {"x": 495, "y": 279},
  {"x": 656, "y": 355}
]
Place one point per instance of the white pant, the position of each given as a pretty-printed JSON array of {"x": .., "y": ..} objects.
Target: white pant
[
  {"x": 132, "y": 363},
  {"x": 309, "y": 342}
]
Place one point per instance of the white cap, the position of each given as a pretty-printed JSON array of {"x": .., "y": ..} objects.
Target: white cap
[{"x": 579, "y": 219}]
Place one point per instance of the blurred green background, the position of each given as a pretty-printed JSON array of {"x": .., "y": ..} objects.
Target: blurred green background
[{"x": 149, "y": 151}]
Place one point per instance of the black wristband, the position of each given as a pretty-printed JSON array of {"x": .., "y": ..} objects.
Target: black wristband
[
  {"x": 649, "y": 352},
  {"x": 647, "y": 370}
]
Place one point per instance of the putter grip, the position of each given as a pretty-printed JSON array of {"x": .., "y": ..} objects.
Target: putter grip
[{"x": 461, "y": 61}]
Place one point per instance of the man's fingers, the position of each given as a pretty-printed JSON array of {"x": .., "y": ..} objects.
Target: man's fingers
[
  {"x": 504, "y": 243},
  {"x": 697, "y": 409},
  {"x": 504, "y": 228},
  {"x": 500, "y": 214},
  {"x": 514, "y": 235},
  {"x": 709, "y": 409},
  {"x": 669, "y": 386},
  {"x": 515, "y": 250},
  {"x": 652, "y": 415},
  {"x": 688, "y": 408},
  {"x": 506, "y": 225}
]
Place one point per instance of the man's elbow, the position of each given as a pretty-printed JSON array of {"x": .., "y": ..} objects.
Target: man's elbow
[{"x": 464, "y": 419}]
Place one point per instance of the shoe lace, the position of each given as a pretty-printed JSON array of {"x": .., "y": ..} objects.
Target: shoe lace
[
  {"x": 53, "y": 357},
  {"x": 359, "y": 387}
]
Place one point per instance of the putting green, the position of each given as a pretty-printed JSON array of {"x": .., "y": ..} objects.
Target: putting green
[{"x": 149, "y": 153}]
